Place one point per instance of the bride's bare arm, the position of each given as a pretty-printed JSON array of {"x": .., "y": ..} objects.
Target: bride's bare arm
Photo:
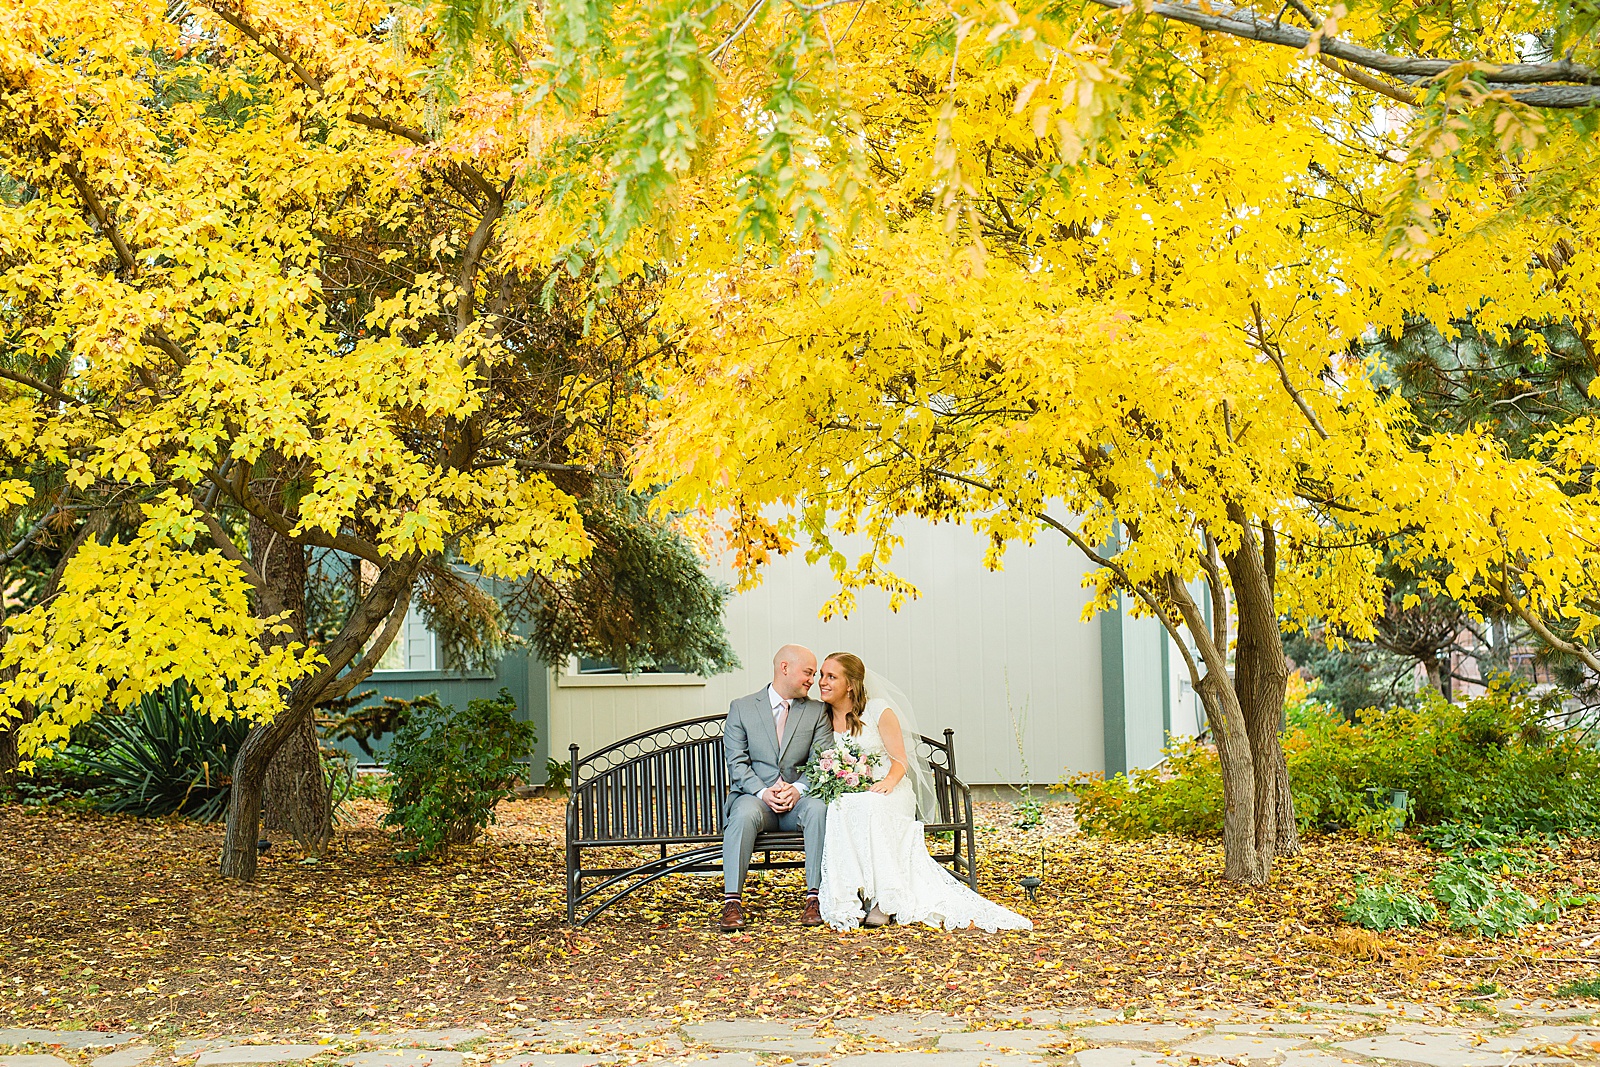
[{"x": 895, "y": 743}]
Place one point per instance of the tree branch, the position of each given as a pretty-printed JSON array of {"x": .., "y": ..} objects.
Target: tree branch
[
  {"x": 26, "y": 539},
  {"x": 360, "y": 118},
  {"x": 1362, "y": 78},
  {"x": 1538, "y": 626},
  {"x": 230, "y": 551},
  {"x": 1274, "y": 353},
  {"x": 374, "y": 651},
  {"x": 48, "y": 390},
  {"x": 239, "y": 490},
  {"x": 1238, "y": 22}
]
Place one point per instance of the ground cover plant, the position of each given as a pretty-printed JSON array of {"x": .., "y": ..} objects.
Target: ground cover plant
[
  {"x": 110, "y": 921},
  {"x": 1386, "y": 905}
]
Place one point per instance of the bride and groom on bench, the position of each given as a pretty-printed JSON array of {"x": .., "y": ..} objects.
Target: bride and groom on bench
[{"x": 866, "y": 860}]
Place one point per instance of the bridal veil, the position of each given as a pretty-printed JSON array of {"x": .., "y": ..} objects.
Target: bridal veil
[{"x": 917, "y": 770}]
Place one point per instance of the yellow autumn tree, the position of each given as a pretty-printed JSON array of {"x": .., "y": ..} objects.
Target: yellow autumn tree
[
  {"x": 255, "y": 288},
  {"x": 1118, "y": 293},
  {"x": 1102, "y": 272}
]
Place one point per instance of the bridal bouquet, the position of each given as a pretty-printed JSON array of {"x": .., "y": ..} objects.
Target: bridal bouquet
[{"x": 842, "y": 769}]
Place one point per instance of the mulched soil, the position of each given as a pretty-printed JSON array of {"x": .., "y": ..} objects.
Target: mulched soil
[{"x": 114, "y": 922}]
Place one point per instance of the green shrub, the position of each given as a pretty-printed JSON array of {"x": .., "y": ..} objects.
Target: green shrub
[
  {"x": 1487, "y": 772},
  {"x": 161, "y": 758},
  {"x": 1386, "y": 906},
  {"x": 1490, "y": 762},
  {"x": 557, "y": 775},
  {"x": 449, "y": 769},
  {"x": 1182, "y": 796}
]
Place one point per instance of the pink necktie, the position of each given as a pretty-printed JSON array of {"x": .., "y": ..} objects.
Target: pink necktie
[{"x": 782, "y": 718}]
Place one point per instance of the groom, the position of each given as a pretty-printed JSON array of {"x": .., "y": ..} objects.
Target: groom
[{"x": 769, "y": 737}]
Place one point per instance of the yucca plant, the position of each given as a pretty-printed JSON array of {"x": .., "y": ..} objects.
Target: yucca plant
[{"x": 165, "y": 758}]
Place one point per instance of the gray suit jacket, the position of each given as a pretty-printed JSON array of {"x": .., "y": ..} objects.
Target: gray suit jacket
[{"x": 756, "y": 758}]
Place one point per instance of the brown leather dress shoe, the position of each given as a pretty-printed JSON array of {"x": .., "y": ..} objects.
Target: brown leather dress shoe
[
  {"x": 732, "y": 917},
  {"x": 812, "y": 915}
]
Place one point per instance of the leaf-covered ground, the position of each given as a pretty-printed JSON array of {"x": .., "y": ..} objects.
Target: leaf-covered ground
[{"x": 114, "y": 922}]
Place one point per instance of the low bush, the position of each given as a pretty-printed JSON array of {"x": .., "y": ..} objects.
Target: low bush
[
  {"x": 448, "y": 770},
  {"x": 1489, "y": 768},
  {"x": 1182, "y": 796},
  {"x": 163, "y": 757},
  {"x": 1386, "y": 906}
]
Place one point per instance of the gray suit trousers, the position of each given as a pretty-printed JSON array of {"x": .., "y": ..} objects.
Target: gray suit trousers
[{"x": 748, "y": 816}]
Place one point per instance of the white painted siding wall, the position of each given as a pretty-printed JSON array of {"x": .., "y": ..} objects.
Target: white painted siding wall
[{"x": 978, "y": 648}]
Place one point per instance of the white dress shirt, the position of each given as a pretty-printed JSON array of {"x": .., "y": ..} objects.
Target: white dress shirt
[{"x": 777, "y": 705}]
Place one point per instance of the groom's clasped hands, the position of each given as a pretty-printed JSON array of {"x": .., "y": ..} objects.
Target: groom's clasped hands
[{"x": 781, "y": 796}]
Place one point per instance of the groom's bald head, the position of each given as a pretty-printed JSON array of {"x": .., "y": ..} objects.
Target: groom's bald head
[{"x": 792, "y": 669}]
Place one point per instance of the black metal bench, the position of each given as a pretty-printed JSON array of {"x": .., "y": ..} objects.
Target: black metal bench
[{"x": 663, "y": 790}]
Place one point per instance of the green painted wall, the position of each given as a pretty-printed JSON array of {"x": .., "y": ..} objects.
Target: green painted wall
[
  {"x": 1136, "y": 702},
  {"x": 520, "y": 672}
]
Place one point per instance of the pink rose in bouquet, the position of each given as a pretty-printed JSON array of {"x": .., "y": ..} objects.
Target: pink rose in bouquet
[{"x": 841, "y": 769}]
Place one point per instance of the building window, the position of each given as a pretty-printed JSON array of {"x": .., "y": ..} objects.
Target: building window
[
  {"x": 605, "y": 666},
  {"x": 583, "y": 671},
  {"x": 413, "y": 648}
]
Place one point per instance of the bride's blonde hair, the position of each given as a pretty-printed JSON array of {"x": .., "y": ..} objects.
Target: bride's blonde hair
[{"x": 855, "y": 687}]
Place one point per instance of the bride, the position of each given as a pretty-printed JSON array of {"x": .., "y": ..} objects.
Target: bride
[{"x": 875, "y": 858}]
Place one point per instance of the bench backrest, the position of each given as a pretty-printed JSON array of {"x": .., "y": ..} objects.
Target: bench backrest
[{"x": 667, "y": 785}]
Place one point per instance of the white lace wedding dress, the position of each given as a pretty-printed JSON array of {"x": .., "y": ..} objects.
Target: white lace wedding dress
[{"x": 875, "y": 848}]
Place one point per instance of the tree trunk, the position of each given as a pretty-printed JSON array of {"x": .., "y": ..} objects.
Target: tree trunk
[
  {"x": 1242, "y": 858},
  {"x": 264, "y": 741},
  {"x": 1438, "y": 671},
  {"x": 1261, "y": 676},
  {"x": 295, "y": 797},
  {"x": 9, "y": 756}
]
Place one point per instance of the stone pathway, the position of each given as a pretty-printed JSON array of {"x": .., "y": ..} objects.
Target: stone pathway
[{"x": 1513, "y": 1034}]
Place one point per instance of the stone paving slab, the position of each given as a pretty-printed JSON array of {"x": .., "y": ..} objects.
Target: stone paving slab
[
  {"x": 425, "y": 1038},
  {"x": 260, "y": 1054},
  {"x": 742, "y": 1030},
  {"x": 404, "y": 1057},
  {"x": 901, "y": 1029},
  {"x": 1400, "y": 1008},
  {"x": 717, "y": 1059},
  {"x": 1581, "y": 1040},
  {"x": 1122, "y": 1057},
  {"x": 1300, "y": 1029},
  {"x": 1435, "y": 1051},
  {"x": 581, "y": 1029},
  {"x": 123, "y": 1057},
  {"x": 757, "y": 1036},
  {"x": 1060, "y": 1017},
  {"x": 74, "y": 1039},
  {"x": 556, "y": 1059},
  {"x": 1256, "y": 1046},
  {"x": 1139, "y": 1033},
  {"x": 1542, "y": 1009},
  {"x": 936, "y": 1059},
  {"x": 783, "y": 1046},
  {"x": 1003, "y": 1040},
  {"x": 1310, "y": 1057},
  {"x": 34, "y": 1060},
  {"x": 1424, "y": 1030},
  {"x": 192, "y": 1047}
]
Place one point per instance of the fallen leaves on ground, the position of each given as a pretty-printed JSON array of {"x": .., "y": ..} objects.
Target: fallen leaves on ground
[{"x": 121, "y": 922}]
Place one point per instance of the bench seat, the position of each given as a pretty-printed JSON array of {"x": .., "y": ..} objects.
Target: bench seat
[{"x": 663, "y": 790}]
